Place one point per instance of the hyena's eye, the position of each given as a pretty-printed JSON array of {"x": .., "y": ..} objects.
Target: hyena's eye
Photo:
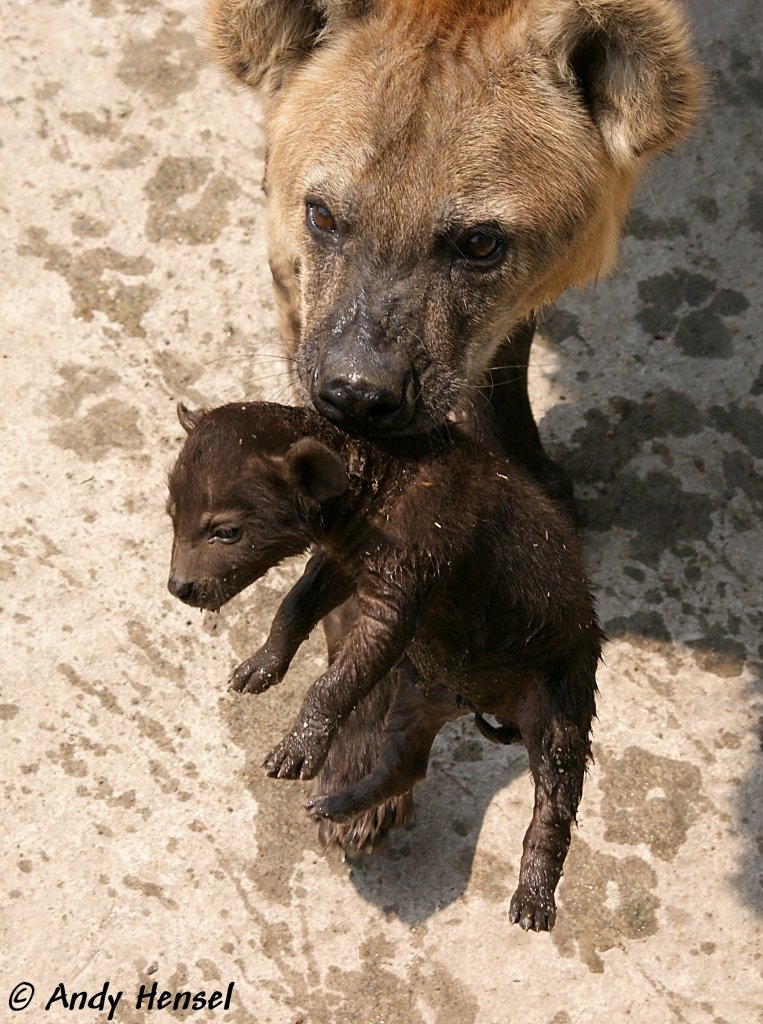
[
  {"x": 320, "y": 219},
  {"x": 226, "y": 534},
  {"x": 480, "y": 246}
]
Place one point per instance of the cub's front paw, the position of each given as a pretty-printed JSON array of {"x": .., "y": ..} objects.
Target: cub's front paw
[
  {"x": 258, "y": 673},
  {"x": 300, "y": 753},
  {"x": 532, "y": 911}
]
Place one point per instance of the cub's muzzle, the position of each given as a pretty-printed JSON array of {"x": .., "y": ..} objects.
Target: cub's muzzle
[{"x": 182, "y": 589}]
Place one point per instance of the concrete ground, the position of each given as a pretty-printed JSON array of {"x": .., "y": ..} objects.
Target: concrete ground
[{"x": 141, "y": 842}]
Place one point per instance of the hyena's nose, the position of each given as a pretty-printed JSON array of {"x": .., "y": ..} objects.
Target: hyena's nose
[
  {"x": 374, "y": 405},
  {"x": 181, "y": 589}
]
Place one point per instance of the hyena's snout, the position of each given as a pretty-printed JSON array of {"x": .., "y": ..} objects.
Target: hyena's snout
[
  {"x": 363, "y": 375},
  {"x": 372, "y": 390}
]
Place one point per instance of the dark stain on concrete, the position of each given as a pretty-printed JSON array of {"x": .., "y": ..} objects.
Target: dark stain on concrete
[
  {"x": 603, "y": 901},
  {"x": 100, "y": 692},
  {"x": 755, "y": 208},
  {"x": 675, "y": 288},
  {"x": 200, "y": 223},
  {"x": 448, "y": 998},
  {"x": 643, "y": 226},
  {"x": 704, "y": 335},
  {"x": 650, "y": 799},
  {"x": 150, "y": 890},
  {"x": 740, "y": 471},
  {"x": 79, "y": 383},
  {"x": 95, "y": 280},
  {"x": 742, "y": 85},
  {"x": 557, "y": 323},
  {"x": 64, "y": 757},
  {"x": 164, "y": 65},
  {"x": 179, "y": 371},
  {"x": 611, "y": 438},
  {"x": 107, "y": 426},
  {"x": 375, "y": 992},
  {"x": 717, "y": 652},
  {"x": 646, "y": 624},
  {"x": 106, "y": 126},
  {"x": 105, "y": 8},
  {"x": 134, "y": 151},
  {"x": 700, "y": 331},
  {"x": 743, "y": 422},
  {"x": 654, "y": 505},
  {"x": 657, "y": 511},
  {"x": 89, "y": 227},
  {"x": 707, "y": 207},
  {"x": 155, "y": 651}
]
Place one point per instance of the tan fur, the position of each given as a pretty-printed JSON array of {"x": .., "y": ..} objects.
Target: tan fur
[{"x": 403, "y": 112}]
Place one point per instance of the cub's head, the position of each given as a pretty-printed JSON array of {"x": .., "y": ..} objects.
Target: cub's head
[
  {"x": 242, "y": 494},
  {"x": 439, "y": 169}
]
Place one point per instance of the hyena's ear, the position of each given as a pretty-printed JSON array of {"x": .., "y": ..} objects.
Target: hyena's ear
[
  {"x": 259, "y": 42},
  {"x": 632, "y": 63},
  {"x": 187, "y": 418},
  {"x": 315, "y": 470}
]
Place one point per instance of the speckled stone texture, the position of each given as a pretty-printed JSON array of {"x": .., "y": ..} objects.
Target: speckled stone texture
[{"x": 142, "y": 841}]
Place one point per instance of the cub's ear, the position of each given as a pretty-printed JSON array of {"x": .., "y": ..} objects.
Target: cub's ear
[
  {"x": 632, "y": 64},
  {"x": 315, "y": 470},
  {"x": 259, "y": 42},
  {"x": 187, "y": 418}
]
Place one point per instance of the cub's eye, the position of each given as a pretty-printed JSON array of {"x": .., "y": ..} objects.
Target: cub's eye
[
  {"x": 320, "y": 219},
  {"x": 226, "y": 534},
  {"x": 481, "y": 247}
]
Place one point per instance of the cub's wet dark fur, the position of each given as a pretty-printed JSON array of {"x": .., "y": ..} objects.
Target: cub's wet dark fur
[{"x": 459, "y": 566}]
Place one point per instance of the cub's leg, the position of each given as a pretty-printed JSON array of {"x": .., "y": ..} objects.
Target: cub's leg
[
  {"x": 352, "y": 755},
  {"x": 386, "y": 622},
  {"x": 413, "y": 721},
  {"x": 320, "y": 588},
  {"x": 555, "y": 722}
]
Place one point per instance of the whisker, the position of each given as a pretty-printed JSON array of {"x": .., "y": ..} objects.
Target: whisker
[
  {"x": 253, "y": 378},
  {"x": 492, "y": 384},
  {"x": 520, "y": 366},
  {"x": 282, "y": 393}
]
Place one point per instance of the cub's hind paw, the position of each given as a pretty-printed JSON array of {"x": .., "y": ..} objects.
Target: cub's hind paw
[
  {"x": 332, "y": 807},
  {"x": 532, "y": 912},
  {"x": 299, "y": 755}
]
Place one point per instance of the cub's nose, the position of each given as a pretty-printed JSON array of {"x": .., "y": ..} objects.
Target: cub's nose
[{"x": 181, "y": 589}]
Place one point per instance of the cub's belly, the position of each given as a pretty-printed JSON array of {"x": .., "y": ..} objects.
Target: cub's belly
[{"x": 489, "y": 685}]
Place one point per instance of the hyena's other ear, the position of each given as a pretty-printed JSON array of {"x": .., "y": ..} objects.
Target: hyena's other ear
[
  {"x": 259, "y": 42},
  {"x": 187, "y": 418},
  {"x": 315, "y": 470},
  {"x": 632, "y": 63}
]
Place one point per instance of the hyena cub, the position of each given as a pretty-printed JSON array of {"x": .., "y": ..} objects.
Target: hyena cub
[{"x": 455, "y": 558}]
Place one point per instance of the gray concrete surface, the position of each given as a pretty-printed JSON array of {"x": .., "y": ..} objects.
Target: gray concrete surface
[{"x": 141, "y": 842}]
